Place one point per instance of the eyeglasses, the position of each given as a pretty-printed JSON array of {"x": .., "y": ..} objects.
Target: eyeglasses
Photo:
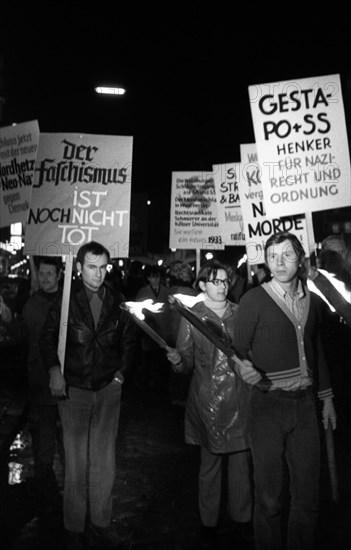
[{"x": 217, "y": 282}]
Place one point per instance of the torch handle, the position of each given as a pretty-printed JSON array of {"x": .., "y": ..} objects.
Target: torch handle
[{"x": 329, "y": 440}]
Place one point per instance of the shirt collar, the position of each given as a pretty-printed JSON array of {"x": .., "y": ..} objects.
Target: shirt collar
[
  {"x": 282, "y": 292},
  {"x": 90, "y": 293}
]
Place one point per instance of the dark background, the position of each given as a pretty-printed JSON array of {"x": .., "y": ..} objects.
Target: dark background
[{"x": 186, "y": 73}]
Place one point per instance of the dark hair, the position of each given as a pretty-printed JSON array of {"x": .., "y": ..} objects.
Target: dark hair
[
  {"x": 92, "y": 248},
  {"x": 208, "y": 269},
  {"x": 282, "y": 236},
  {"x": 152, "y": 271},
  {"x": 49, "y": 260},
  {"x": 180, "y": 273}
]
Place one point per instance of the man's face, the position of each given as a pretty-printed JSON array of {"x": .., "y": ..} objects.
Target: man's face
[
  {"x": 283, "y": 262},
  {"x": 48, "y": 277},
  {"x": 154, "y": 281},
  {"x": 93, "y": 270}
]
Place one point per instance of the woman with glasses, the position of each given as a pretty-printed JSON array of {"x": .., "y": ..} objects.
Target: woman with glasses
[{"x": 216, "y": 407}]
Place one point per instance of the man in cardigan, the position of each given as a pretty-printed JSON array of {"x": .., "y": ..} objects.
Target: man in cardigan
[{"x": 278, "y": 329}]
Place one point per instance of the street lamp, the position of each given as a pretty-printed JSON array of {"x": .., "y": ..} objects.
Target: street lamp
[{"x": 109, "y": 90}]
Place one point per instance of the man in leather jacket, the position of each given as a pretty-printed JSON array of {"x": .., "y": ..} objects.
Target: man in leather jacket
[{"x": 99, "y": 349}]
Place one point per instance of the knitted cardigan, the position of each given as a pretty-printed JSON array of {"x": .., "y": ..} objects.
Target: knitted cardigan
[{"x": 278, "y": 341}]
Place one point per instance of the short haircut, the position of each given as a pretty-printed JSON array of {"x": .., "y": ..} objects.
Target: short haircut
[
  {"x": 55, "y": 261},
  {"x": 335, "y": 243},
  {"x": 92, "y": 248},
  {"x": 207, "y": 269},
  {"x": 282, "y": 236},
  {"x": 153, "y": 271}
]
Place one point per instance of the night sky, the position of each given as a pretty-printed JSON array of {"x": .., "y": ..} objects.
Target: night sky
[{"x": 186, "y": 73}]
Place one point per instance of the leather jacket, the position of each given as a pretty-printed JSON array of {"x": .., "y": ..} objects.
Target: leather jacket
[{"x": 93, "y": 355}]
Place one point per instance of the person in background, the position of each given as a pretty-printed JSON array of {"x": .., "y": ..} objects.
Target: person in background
[
  {"x": 43, "y": 418},
  {"x": 238, "y": 284},
  {"x": 153, "y": 372},
  {"x": 99, "y": 349},
  {"x": 180, "y": 280},
  {"x": 333, "y": 265},
  {"x": 333, "y": 262},
  {"x": 134, "y": 280},
  {"x": 278, "y": 327},
  {"x": 215, "y": 413},
  {"x": 261, "y": 274}
]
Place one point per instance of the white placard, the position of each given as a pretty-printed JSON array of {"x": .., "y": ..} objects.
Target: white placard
[
  {"x": 193, "y": 216},
  {"x": 18, "y": 151},
  {"x": 301, "y": 138},
  {"x": 230, "y": 219},
  {"x": 82, "y": 192},
  {"x": 258, "y": 227}
]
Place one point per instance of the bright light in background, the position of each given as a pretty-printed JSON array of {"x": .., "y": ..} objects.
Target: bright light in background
[
  {"x": 242, "y": 260},
  {"x": 148, "y": 203},
  {"x": 159, "y": 262},
  {"x": 209, "y": 256},
  {"x": 16, "y": 228},
  {"x": 109, "y": 90}
]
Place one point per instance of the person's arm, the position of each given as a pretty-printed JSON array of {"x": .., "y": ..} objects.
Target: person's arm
[
  {"x": 328, "y": 413},
  {"x": 57, "y": 382},
  {"x": 34, "y": 279},
  {"x": 5, "y": 311},
  {"x": 128, "y": 345},
  {"x": 16, "y": 326},
  {"x": 175, "y": 359},
  {"x": 325, "y": 392},
  {"x": 245, "y": 328},
  {"x": 48, "y": 342}
]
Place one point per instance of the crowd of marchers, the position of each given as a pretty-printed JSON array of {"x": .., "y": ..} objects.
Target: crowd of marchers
[{"x": 250, "y": 411}]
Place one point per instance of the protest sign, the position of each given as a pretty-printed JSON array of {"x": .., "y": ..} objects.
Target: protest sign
[
  {"x": 258, "y": 227},
  {"x": 18, "y": 151},
  {"x": 302, "y": 145},
  {"x": 81, "y": 192},
  {"x": 226, "y": 177},
  {"x": 194, "y": 221}
]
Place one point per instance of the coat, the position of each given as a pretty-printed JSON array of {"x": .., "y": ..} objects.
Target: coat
[
  {"x": 216, "y": 407},
  {"x": 93, "y": 355},
  {"x": 34, "y": 314}
]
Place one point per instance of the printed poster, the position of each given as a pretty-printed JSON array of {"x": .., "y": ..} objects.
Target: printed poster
[
  {"x": 81, "y": 192},
  {"x": 230, "y": 219},
  {"x": 18, "y": 151},
  {"x": 193, "y": 219},
  {"x": 258, "y": 227},
  {"x": 302, "y": 145}
]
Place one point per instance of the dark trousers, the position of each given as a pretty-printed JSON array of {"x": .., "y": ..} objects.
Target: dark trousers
[
  {"x": 239, "y": 486},
  {"x": 281, "y": 425},
  {"x": 43, "y": 426}
]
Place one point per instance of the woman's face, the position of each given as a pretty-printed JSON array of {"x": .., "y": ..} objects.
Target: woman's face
[{"x": 217, "y": 287}]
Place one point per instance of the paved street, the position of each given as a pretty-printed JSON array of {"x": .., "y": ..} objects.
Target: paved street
[{"x": 156, "y": 486}]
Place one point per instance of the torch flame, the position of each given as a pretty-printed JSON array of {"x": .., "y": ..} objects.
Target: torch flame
[
  {"x": 136, "y": 308},
  {"x": 339, "y": 285},
  {"x": 190, "y": 301}
]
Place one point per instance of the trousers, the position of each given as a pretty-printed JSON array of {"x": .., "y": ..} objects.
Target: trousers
[
  {"x": 43, "y": 420},
  {"x": 239, "y": 486},
  {"x": 89, "y": 424},
  {"x": 285, "y": 443}
]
